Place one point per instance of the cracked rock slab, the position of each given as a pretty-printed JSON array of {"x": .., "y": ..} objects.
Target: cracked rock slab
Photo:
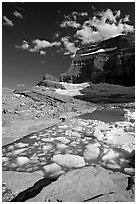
[
  {"x": 19, "y": 181},
  {"x": 80, "y": 185}
]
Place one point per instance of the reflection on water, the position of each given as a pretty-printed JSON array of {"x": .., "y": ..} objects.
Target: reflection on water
[{"x": 105, "y": 115}]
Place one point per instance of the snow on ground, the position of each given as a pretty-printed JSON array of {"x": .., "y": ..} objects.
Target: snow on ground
[
  {"x": 19, "y": 95},
  {"x": 71, "y": 89},
  {"x": 129, "y": 114}
]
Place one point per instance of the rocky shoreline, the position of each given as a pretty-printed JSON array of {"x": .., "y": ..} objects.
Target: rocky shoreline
[
  {"x": 74, "y": 144},
  {"x": 55, "y": 152}
]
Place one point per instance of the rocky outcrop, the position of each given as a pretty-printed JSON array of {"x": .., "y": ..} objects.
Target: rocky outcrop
[
  {"x": 17, "y": 182},
  {"x": 91, "y": 145},
  {"x": 50, "y": 81},
  {"x": 87, "y": 184},
  {"x": 49, "y": 77},
  {"x": 111, "y": 61}
]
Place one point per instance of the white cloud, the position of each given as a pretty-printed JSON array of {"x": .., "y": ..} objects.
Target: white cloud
[
  {"x": 7, "y": 22},
  {"x": 24, "y": 46},
  {"x": 107, "y": 15},
  {"x": 17, "y": 46},
  {"x": 126, "y": 19},
  {"x": 75, "y": 14},
  {"x": 87, "y": 35},
  {"x": 57, "y": 35},
  {"x": 71, "y": 20},
  {"x": 42, "y": 52},
  {"x": 20, "y": 85},
  {"x": 93, "y": 7},
  {"x": 37, "y": 46},
  {"x": 55, "y": 44},
  {"x": 84, "y": 14},
  {"x": 72, "y": 24},
  {"x": 17, "y": 14},
  {"x": 104, "y": 26},
  {"x": 70, "y": 47},
  {"x": 42, "y": 62}
]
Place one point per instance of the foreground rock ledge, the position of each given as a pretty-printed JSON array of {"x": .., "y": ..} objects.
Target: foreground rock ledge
[
  {"x": 19, "y": 181},
  {"x": 87, "y": 184}
]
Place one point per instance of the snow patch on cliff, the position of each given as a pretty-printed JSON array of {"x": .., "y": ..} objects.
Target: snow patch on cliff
[
  {"x": 91, "y": 53},
  {"x": 71, "y": 89}
]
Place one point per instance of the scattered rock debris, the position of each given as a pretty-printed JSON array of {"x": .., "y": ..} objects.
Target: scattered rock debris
[{"x": 88, "y": 147}]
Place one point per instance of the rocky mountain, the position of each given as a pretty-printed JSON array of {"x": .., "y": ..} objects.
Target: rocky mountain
[
  {"x": 110, "y": 61},
  {"x": 46, "y": 78},
  {"x": 50, "y": 81},
  {"x": 49, "y": 77}
]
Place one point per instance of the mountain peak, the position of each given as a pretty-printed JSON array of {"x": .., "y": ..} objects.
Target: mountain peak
[
  {"x": 110, "y": 61},
  {"x": 49, "y": 77}
]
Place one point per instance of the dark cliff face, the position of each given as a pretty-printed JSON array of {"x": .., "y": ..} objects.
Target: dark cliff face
[{"x": 111, "y": 61}]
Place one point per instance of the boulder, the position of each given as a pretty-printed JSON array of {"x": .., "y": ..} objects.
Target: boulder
[
  {"x": 34, "y": 156},
  {"x": 92, "y": 145},
  {"x": 77, "y": 128},
  {"x": 91, "y": 152},
  {"x": 130, "y": 171},
  {"x": 82, "y": 185},
  {"x": 61, "y": 146},
  {"x": 12, "y": 165},
  {"x": 47, "y": 147},
  {"x": 35, "y": 144},
  {"x": 64, "y": 140},
  {"x": 63, "y": 126},
  {"x": 113, "y": 166},
  {"x": 4, "y": 159},
  {"x": 120, "y": 179},
  {"x": 19, "y": 181},
  {"x": 21, "y": 145},
  {"x": 69, "y": 160},
  {"x": 128, "y": 147},
  {"x": 103, "y": 127},
  {"x": 10, "y": 147},
  {"x": 47, "y": 139},
  {"x": 21, "y": 161},
  {"x": 18, "y": 151},
  {"x": 89, "y": 134},
  {"x": 74, "y": 143},
  {"x": 98, "y": 134},
  {"x": 110, "y": 155},
  {"x": 120, "y": 137},
  {"x": 75, "y": 134},
  {"x": 52, "y": 168}
]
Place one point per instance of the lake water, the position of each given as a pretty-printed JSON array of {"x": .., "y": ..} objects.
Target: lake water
[
  {"x": 77, "y": 145},
  {"x": 105, "y": 115}
]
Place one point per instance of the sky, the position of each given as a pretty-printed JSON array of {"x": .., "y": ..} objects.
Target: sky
[{"x": 42, "y": 37}]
